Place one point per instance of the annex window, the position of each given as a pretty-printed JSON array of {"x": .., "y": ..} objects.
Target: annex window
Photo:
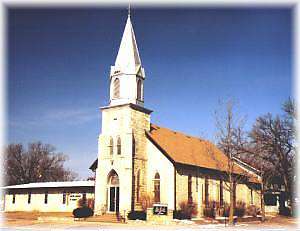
[
  {"x": 119, "y": 146},
  {"x": 138, "y": 176},
  {"x": 139, "y": 90},
  {"x": 206, "y": 193},
  {"x": 251, "y": 194},
  {"x": 84, "y": 198},
  {"x": 46, "y": 198},
  {"x": 64, "y": 199},
  {"x": 157, "y": 188},
  {"x": 29, "y": 198},
  {"x": 111, "y": 146},
  {"x": 116, "y": 88},
  {"x": 221, "y": 194},
  {"x": 14, "y": 198},
  {"x": 270, "y": 199},
  {"x": 190, "y": 196}
]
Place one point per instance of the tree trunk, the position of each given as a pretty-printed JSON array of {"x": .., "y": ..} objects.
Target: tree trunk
[
  {"x": 231, "y": 204},
  {"x": 262, "y": 202}
]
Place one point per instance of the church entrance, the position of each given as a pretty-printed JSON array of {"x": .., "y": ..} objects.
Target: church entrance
[{"x": 113, "y": 192}]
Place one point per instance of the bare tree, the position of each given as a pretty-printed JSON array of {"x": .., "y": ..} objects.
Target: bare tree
[
  {"x": 230, "y": 136},
  {"x": 274, "y": 136},
  {"x": 40, "y": 163}
]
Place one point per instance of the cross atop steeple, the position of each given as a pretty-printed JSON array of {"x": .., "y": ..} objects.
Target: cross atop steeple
[{"x": 129, "y": 10}]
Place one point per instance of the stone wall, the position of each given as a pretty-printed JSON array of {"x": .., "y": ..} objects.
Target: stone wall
[
  {"x": 243, "y": 191},
  {"x": 140, "y": 123},
  {"x": 129, "y": 124}
]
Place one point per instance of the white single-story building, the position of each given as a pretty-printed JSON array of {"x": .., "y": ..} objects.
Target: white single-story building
[{"x": 47, "y": 196}]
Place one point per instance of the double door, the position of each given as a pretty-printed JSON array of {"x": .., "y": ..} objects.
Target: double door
[{"x": 114, "y": 195}]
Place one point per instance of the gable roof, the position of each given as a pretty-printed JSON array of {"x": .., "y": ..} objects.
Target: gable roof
[
  {"x": 184, "y": 149},
  {"x": 94, "y": 165},
  {"x": 180, "y": 148}
]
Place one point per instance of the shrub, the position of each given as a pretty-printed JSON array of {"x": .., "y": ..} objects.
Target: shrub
[
  {"x": 88, "y": 203},
  {"x": 285, "y": 211},
  {"x": 252, "y": 210},
  {"x": 208, "y": 212},
  {"x": 137, "y": 215},
  {"x": 178, "y": 214},
  {"x": 240, "y": 209},
  {"x": 83, "y": 212},
  {"x": 188, "y": 209},
  {"x": 146, "y": 201},
  {"x": 211, "y": 209},
  {"x": 226, "y": 209}
]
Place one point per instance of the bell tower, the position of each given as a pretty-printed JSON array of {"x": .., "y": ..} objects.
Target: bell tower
[
  {"x": 122, "y": 144},
  {"x": 127, "y": 75}
]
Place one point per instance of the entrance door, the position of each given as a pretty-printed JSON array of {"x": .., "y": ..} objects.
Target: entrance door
[
  {"x": 113, "y": 192},
  {"x": 114, "y": 199}
]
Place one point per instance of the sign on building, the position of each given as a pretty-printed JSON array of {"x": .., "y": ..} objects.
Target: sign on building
[
  {"x": 160, "y": 209},
  {"x": 75, "y": 196}
]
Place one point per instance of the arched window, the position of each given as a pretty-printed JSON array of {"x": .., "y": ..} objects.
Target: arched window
[
  {"x": 133, "y": 145},
  {"x": 111, "y": 146},
  {"x": 119, "y": 146},
  {"x": 113, "y": 178},
  {"x": 157, "y": 188},
  {"x": 116, "y": 88},
  {"x": 138, "y": 177},
  {"x": 206, "y": 192},
  {"x": 139, "y": 90},
  {"x": 190, "y": 195},
  {"x": 221, "y": 194}
]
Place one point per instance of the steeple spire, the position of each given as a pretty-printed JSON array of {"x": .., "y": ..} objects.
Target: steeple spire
[
  {"x": 127, "y": 75},
  {"x": 128, "y": 59}
]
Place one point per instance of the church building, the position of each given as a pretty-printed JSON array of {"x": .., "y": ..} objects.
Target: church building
[
  {"x": 138, "y": 159},
  {"x": 141, "y": 164}
]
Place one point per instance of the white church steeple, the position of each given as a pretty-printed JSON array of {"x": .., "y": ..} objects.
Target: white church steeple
[
  {"x": 128, "y": 56},
  {"x": 127, "y": 75}
]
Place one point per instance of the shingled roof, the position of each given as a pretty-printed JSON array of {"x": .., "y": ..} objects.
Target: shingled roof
[
  {"x": 184, "y": 149},
  {"x": 180, "y": 148}
]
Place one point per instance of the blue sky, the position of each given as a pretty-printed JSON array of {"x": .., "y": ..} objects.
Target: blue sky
[{"x": 59, "y": 62}]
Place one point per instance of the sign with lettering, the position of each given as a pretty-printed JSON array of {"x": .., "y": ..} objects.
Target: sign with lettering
[
  {"x": 160, "y": 209},
  {"x": 75, "y": 196}
]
